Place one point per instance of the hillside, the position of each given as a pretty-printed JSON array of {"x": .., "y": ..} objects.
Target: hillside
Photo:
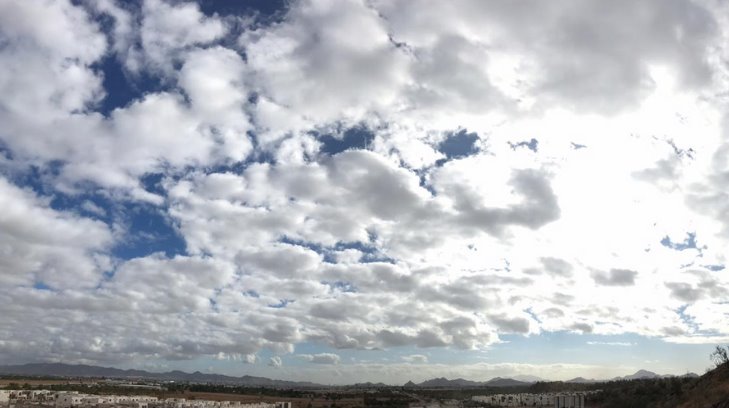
[{"x": 709, "y": 390}]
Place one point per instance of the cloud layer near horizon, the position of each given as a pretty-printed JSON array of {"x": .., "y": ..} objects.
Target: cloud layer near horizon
[{"x": 590, "y": 193}]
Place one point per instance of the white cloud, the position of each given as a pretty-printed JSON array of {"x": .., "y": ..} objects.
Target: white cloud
[
  {"x": 697, "y": 339},
  {"x": 275, "y": 362},
  {"x": 395, "y": 246},
  {"x": 610, "y": 343},
  {"x": 43, "y": 246},
  {"x": 321, "y": 358},
  {"x": 315, "y": 67},
  {"x": 168, "y": 29},
  {"x": 416, "y": 359},
  {"x": 47, "y": 72}
]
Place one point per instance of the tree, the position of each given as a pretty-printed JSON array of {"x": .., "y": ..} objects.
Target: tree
[{"x": 720, "y": 356}]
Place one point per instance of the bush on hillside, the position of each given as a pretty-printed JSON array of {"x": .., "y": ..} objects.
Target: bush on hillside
[{"x": 720, "y": 356}]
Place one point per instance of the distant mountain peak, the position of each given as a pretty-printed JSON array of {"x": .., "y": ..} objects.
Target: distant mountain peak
[{"x": 640, "y": 374}]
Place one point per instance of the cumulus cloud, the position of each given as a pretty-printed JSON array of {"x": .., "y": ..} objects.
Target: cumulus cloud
[
  {"x": 615, "y": 277},
  {"x": 415, "y": 358},
  {"x": 431, "y": 231},
  {"x": 321, "y": 358},
  {"x": 275, "y": 362},
  {"x": 48, "y": 247},
  {"x": 167, "y": 30}
]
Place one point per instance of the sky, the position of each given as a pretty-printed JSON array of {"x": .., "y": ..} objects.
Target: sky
[{"x": 344, "y": 191}]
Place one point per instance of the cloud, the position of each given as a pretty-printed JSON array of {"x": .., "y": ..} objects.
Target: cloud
[
  {"x": 511, "y": 325},
  {"x": 615, "y": 277},
  {"x": 320, "y": 41},
  {"x": 275, "y": 362},
  {"x": 610, "y": 343},
  {"x": 684, "y": 291},
  {"x": 48, "y": 247},
  {"x": 245, "y": 358},
  {"x": 712, "y": 340},
  {"x": 558, "y": 267},
  {"x": 415, "y": 359},
  {"x": 321, "y": 358},
  {"x": 582, "y": 327},
  {"x": 168, "y": 29},
  {"x": 434, "y": 232},
  {"x": 556, "y": 54}
]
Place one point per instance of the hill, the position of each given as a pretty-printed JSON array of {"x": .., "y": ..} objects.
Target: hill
[
  {"x": 582, "y": 380},
  {"x": 443, "y": 382},
  {"x": 709, "y": 390},
  {"x": 639, "y": 375},
  {"x": 504, "y": 382},
  {"x": 446, "y": 383}
]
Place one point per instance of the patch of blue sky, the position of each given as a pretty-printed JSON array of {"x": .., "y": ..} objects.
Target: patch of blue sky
[
  {"x": 458, "y": 145},
  {"x": 41, "y": 286},
  {"x": 152, "y": 182},
  {"x": 266, "y": 8},
  {"x": 686, "y": 318},
  {"x": 688, "y": 243},
  {"x": 213, "y": 304},
  {"x": 88, "y": 204},
  {"x": 5, "y": 152},
  {"x": 238, "y": 167},
  {"x": 353, "y": 138},
  {"x": 148, "y": 228},
  {"x": 149, "y": 231},
  {"x": 282, "y": 303},
  {"x": 532, "y": 145},
  {"x": 532, "y": 314},
  {"x": 340, "y": 286},
  {"x": 370, "y": 253},
  {"x": 36, "y": 178},
  {"x": 252, "y": 293},
  {"x": 123, "y": 88}
]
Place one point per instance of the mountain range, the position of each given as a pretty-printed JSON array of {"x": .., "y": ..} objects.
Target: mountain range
[
  {"x": 461, "y": 383},
  {"x": 70, "y": 370},
  {"x": 80, "y": 370},
  {"x": 638, "y": 375}
]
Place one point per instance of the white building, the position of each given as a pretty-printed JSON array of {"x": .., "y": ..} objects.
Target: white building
[
  {"x": 4, "y": 397},
  {"x": 73, "y": 399},
  {"x": 69, "y": 400},
  {"x": 563, "y": 400},
  {"x": 569, "y": 401}
]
